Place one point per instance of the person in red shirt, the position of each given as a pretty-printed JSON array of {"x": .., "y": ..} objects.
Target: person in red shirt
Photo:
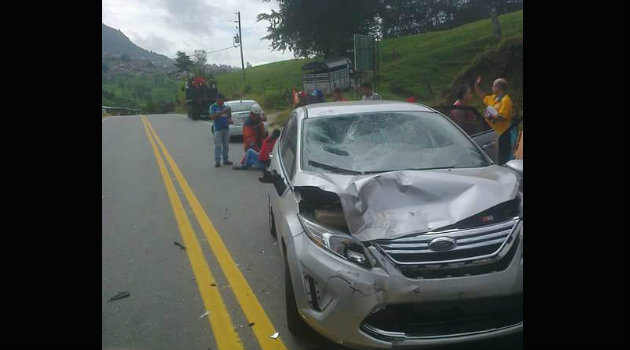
[
  {"x": 338, "y": 95},
  {"x": 259, "y": 160}
]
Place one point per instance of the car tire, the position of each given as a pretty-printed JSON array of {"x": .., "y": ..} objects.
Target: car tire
[
  {"x": 212, "y": 129},
  {"x": 295, "y": 323},
  {"x": 272, "y": 222}
]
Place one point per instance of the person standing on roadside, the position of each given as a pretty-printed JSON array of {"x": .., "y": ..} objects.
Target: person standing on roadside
[
  {"x": 368, "y": 94},
  {"x": 338, "y": 95},
  {"x": 519, "y": 150},
  {"x": 499, "y": 114},
  {"x": 464, "y": 97},
  {"x": 221, "y": 114}
]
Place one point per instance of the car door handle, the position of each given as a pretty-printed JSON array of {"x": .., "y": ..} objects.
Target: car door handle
[{"x": 489, "y": 145}]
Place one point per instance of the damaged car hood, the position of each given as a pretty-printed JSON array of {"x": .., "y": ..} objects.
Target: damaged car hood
[{"x": 397, "y": 203}]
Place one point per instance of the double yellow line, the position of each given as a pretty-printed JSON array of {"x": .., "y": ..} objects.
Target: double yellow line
[{"x": 218, "y": 317}]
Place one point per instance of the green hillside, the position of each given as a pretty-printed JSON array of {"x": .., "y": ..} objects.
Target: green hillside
[
  {"x": 114, "y": 42},
  {"x": 268, "y": 84},
  {"x": 426, "y": 66}
]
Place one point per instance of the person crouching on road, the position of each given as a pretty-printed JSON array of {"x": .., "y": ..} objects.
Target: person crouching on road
[
  {"x": 259, "y": 160},
  {"x": 253, "y": 129},
  {"x": 499, "y": 115},
  {"x": 221, "y": 114}
]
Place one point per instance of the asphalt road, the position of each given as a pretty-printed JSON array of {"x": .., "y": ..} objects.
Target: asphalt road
[{"x": 171, "y": 288}]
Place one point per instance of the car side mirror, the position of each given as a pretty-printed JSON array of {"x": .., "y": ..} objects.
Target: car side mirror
[
  {"x": 275, "y": 179},
  {"x": 267, "y": 178},
  {"x": 516, "y": 165}
]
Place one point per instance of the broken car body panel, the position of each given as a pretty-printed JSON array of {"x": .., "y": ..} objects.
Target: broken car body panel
[
  {"x": 395, "y": 204},
  {"x": 372, "y": 297}
]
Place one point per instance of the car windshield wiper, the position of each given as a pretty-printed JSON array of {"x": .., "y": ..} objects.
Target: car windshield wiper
[
  {"x": 435, "y": 168},
  {"x": 334, "y": 168}
]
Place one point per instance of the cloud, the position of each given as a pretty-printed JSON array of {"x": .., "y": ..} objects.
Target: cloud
[
  {"x": 168, "y": 26},
  {"x": 154, "y": 43},
  {"x": 192, "y": 16}
]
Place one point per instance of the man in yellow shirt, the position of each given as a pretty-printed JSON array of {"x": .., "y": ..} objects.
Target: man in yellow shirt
[{"x": 499, "y": 115}]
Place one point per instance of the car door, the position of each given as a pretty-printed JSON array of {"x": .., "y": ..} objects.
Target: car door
[
  {"x": 282, "y": 169},
  {"x": 469, "y": 119}
]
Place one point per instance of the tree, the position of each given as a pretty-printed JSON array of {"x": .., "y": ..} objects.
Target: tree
[
  {"x": 121, "y": 84},
  {"x": 318, "y": 27},
  {"x": 200, "y": 59},
  {"x": 183, "y": 62}
]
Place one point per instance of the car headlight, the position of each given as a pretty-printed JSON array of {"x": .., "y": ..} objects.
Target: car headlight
[{"x": 338, "y": 243}]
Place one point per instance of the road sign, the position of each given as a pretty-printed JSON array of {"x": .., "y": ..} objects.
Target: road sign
[{"x": 363, "y": 52}]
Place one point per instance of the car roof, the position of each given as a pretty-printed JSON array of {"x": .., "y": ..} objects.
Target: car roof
[
  {"x": 325, "y": 109},
  {"x": 240, "y": 101}
]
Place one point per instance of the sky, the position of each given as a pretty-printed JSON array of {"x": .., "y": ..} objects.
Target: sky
[{"x": 168, "y": 26}]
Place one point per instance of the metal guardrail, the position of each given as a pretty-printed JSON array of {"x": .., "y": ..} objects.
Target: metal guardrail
[{"x": 119, "y": 110}]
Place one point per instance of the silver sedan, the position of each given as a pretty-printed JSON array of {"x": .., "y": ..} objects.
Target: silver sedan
[{"x": 395, "y": 227}]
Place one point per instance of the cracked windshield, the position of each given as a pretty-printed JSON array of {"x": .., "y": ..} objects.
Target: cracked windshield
[{"x": 312, "y": 174}]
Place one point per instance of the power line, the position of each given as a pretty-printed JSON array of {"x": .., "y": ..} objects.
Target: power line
[{"x": 231, "y": 47}]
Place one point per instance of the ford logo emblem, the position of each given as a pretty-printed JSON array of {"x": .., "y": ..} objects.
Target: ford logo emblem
[{"x": 442, "y": 244}]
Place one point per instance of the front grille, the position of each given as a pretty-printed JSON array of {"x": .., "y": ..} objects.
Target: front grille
[
  {"x": 471, "y": 244},
  {"x": 472, "y": 268},
  {"x": 444, "y": 318}
]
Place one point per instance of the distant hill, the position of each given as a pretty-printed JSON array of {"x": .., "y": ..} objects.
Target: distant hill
[{"x": 115, "y": 43}]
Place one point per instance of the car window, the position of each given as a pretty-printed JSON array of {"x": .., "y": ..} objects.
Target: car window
[
  {"x": 386, "y": 141},
  {"x": 240, "y": 106},
  {"x": 468, "y": 118},
  {"x": 288, "y": 146}
]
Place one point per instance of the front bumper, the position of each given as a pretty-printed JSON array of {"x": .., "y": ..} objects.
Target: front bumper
[{"x": 335, "y": 296}]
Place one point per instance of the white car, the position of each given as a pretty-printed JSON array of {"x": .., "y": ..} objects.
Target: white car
[
  {"x": 240, "y": 112},
  {"x": 396, "y": 229}
]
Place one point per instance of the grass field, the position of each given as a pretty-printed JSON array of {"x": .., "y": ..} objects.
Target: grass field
[{"x": 426, "y": 66}]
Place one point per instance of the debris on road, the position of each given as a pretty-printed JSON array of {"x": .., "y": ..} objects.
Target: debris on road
[
  {"x": 179, "y": 245},
  {"x": 204, "y": 314},
  {"x": 251, "y": 324},
  {"x": 275, "y": 243},
  {"x": 262, "y": 251},
  {"x": 120, "y": 295},
  {"x": 213, "y": 285},
  {"x": 275, "y": 335}
]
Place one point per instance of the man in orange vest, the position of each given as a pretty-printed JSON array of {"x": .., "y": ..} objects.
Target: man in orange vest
[{"x": 253, "y": 129}]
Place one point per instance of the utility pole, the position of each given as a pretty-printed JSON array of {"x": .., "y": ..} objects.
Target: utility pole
[{"x": 240, "y": 37}]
